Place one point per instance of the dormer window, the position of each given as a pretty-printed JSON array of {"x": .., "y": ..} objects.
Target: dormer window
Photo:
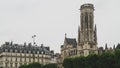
[
  {"x": 11, "y": 50},
  {"x": 6, "y": 50},
  {"x": 29, "y": 51},
  {"x": 16, "y": 51}
]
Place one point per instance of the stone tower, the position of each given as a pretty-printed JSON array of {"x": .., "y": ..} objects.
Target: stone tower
[{"x": 87, "y": 35}]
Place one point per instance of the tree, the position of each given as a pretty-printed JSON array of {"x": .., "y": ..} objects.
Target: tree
[
  {"x": 32, "y": 65},
  {"x": 68, "y": 63},
  {"x": 118, "y": 46},
  {"x": 92, "y": 61},
  {"x": 52, "y": 65},
  {"x": 117, "y": 59},
  {"x": 23, "y": 66},
  {"x": 106, "y": 60}
]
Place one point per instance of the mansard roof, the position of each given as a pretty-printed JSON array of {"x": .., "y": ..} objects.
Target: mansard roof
[
  {"x": 71, "y": 41},
  {"x": 19, "y": 48}
]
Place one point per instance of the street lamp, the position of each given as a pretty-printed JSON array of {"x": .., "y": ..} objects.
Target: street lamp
[{"x": 34, "y": 39}]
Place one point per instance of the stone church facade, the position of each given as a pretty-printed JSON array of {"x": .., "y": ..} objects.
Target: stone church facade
[{"x": 86, "y": 43}]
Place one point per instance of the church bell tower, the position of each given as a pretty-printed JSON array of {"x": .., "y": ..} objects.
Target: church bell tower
[{"x": 87, "y": 35}]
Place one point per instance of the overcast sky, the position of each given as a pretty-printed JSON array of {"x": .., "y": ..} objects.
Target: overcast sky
[{"x": 49, "y": 20}]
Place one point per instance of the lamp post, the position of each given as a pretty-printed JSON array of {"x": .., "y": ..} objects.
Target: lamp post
[
  {"x": 33, "y": 47},
  {"x": 34, "y": 39}
]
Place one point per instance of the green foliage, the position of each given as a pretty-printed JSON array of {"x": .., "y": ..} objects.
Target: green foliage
[
  {"x": 105, "y": 60},
  {"x": 68, "y": 63},
  {"x": 32, "y": 65},
  {"x": 118, "y": 46},
  {"x": 52, "y": 65},
  {"x": 23, "y": 66},
  {"x": 117, "y": 58},
  {"x": 91, "y": 61},
  {"x": 37, "y": 65}
]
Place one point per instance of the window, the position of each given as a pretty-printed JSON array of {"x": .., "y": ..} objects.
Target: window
[
  {"x": 29, "y": 59},
  {"x": 6, "y": 65},
  {"x": 20, "y": 59},
  {"x": 16, "y": 59},
  {"x": 29, "y": 51},
  {"x": 37, "y": 52},
  {"x": 81, "y": 53},
  {"x": 20, "y": 51},
  {"x": 15, "y": 51},
  {"x": 11, "y": 59},
  {"x": 6, "y": 59},
  {"x": 91, "y": 46},
  {"x": 91, "y": 52},
  {"x": 15, "y": 64},
  {"x": 11, "y": 65},
  {"x": 69, "y": 54},
  {"x": 11, "y": 50},
  {"x": 20, "y": 64},
  {"x": 6, "y": 50}
]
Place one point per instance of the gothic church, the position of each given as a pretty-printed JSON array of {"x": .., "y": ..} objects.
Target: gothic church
[{"x": 87, "y": 36}]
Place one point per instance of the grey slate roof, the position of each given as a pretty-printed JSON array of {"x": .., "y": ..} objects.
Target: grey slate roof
[
  {"x": 18, "y": 48},
  {"x": 71, "y": 41}
]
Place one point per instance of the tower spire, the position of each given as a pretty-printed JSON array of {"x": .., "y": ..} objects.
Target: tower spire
[
  {"x": 65, "y": 35},
  {"x": 87, "y": 33},
  {"x": 65, "y": 38}
]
